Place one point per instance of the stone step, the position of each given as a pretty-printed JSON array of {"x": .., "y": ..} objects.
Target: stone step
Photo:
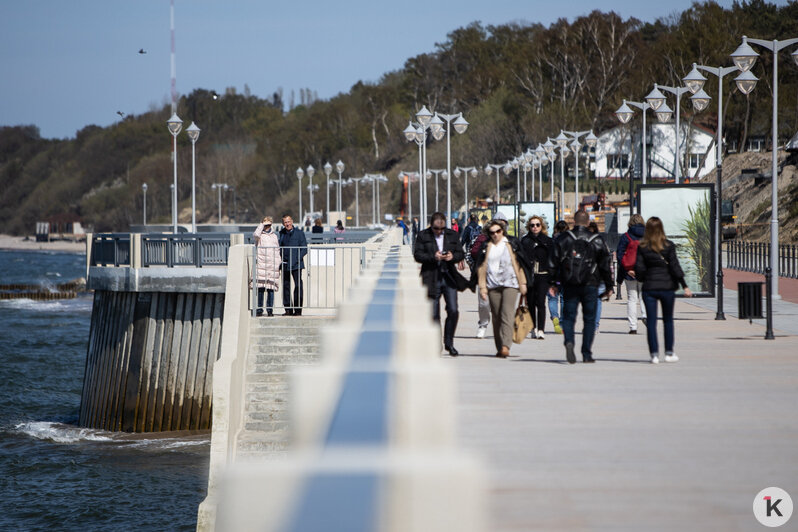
[
  {"x": 263, "y": 402},
  {"x": 280, "y": 363},
  {"x": 284, "y": 340},
  {"x": 271, "y": 416},
  {"x": 254, "y": 442},
  {"x": 286, "y": 350}
]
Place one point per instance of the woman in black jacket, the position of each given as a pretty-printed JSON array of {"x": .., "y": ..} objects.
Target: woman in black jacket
[
  {"x": 536, "y": 247},
  {"x": 658, "y": 269}
]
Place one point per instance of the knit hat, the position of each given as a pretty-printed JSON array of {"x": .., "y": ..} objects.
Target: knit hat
[{"x": 500, "y": 216}]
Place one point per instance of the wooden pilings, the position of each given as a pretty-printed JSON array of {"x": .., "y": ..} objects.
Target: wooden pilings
[{"x": 149, "y": 365}]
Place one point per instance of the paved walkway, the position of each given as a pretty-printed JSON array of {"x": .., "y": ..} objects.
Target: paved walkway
[{"x": 626, "y": 445}]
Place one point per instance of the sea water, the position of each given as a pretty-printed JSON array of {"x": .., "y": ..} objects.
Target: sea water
[{"x": 58, "y": 476}]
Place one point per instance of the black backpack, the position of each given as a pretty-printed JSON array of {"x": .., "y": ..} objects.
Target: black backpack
[{"x": 578, "y": 262}]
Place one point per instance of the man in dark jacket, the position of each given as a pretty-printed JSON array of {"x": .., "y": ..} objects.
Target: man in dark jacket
[
  {"x": 636, "y": 230},
  {"x": 579, "y": 261},
  {"x": 293, "y": 248},
  {"x": 470, "y": 231},
  {"x": 438, "y": 250}
]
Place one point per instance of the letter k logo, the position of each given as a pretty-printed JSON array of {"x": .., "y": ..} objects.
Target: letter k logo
[{"x": 772, "y": 506}]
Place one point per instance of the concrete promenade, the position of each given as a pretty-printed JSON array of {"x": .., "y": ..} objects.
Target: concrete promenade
[{"x": 627, "y": 445}]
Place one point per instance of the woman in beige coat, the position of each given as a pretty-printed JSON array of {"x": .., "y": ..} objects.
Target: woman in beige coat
[
  {"x": 501, "y": 279},
  {"x": 269, "y": 264}
]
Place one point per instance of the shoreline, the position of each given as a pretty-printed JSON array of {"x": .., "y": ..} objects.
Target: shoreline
[{"x": 18, "y": 243}]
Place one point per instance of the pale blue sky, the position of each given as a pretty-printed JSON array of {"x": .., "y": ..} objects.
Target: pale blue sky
[{"x": 67, "y": 64}]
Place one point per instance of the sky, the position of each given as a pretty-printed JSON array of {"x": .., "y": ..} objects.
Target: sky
[{"x": 69, "y": 64}]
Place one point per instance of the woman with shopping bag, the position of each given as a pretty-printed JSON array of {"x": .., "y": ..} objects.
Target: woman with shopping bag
[{"x": 501, "y": 279}]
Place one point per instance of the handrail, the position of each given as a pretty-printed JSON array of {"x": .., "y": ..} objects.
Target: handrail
[{"x": 755, "y": 257}]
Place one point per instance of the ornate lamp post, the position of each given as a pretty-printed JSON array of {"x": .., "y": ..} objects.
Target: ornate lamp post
[
  {"x": 219, "y": 187},
  {"x": 590, "y": 141},
  {"x": 193, "y": 133},
  {"x": 357, "y": 181},
  {"x": 436, "y": 126},
  {"x": 310, "y": 171},
  {"x": 657, "y": 100},
  {"x": 562, "y": 142},
  {"x": 299, "y": 174},
  {"x": 339, "y": 167},
  {"x": 624, "y": 114},
  {"x": 744, "y": 58},
  {"x": 467, "y": 169},
  {"x": 144, "y": 191},
  {"x": 489, "y": 170},
  {"x": 327, "y": 171},
  {"x": 175, "y": 125}
]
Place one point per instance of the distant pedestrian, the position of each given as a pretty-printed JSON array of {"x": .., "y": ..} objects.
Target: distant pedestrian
[
  {"x": 537, "y": 248},
  {"x": 555, "y": 300},
  {"x": 635, "y": 231},
  {"x": 400, "y": 223},
  {"x": 580, "y": 261},
  {"x": 470, "y": 232},
  {"x": 438, "y": 251},
  {"x": 339, "y": 230},
  {"x": 414, "y": 228},
  {"x": 658, "y": 269},
  {"x": 293, "y": 247},
  {"x": 455, "y": 226},
  {"x": 317, "y": 226},
  {"x": 501, "y": 280},
  {"x": 593, "y": 227},
  {"x": 307, "y": 224},
  {"x": 269, "y": 264}
]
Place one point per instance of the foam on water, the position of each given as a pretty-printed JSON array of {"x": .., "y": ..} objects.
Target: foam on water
[
  {"x": 79, "y": 304},
  {"x": 67, "y": 434}
]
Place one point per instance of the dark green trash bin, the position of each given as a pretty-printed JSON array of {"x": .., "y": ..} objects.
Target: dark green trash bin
[{"x": 749, "y": 301}]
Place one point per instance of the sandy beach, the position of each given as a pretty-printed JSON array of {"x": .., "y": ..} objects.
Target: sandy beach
[{"x": 21, "y": 244}]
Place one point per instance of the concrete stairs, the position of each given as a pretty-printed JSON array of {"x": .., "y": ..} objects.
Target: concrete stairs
[{"x": 276, "y": 345}]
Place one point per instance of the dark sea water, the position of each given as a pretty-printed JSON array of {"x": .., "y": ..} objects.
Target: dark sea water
[{"x": 53, "y": 474}]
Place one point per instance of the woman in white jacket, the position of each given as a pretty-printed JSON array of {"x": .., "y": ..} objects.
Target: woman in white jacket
[{"x": 269, "y": 264}]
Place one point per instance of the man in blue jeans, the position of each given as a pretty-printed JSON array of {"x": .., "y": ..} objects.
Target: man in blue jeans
[
  {"x": 293, "y": 247},
  {"x": 580, "y": 261}
]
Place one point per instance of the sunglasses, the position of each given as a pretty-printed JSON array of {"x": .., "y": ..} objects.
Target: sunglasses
[
  {"x": 534, "y": 225},
  {"x": 267, "y": 225},
  {"x": 438, "y": 228},
  {"x": 496, "y": 232}
]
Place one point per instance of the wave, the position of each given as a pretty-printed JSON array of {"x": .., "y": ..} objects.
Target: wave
[
  {"x": 63, "y": 433},
  {"x": 78, "y": 304}
]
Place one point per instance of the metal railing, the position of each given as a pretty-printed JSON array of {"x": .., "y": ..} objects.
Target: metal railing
[
  {"x": 185, "y": 250},
  {"x": 755, "y": 257},
  {"x": 114, "y": 249},
  {"x": 356, "y": 236},
  {"x": 326, "y": 273}
]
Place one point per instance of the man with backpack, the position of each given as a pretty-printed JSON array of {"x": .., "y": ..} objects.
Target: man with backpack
[
  {"x": 627, "y": 257},
  {"x": 579, "y": 262}
]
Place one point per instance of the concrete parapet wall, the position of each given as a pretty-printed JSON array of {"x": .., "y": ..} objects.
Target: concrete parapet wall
[{"x": 372, "y": 427}]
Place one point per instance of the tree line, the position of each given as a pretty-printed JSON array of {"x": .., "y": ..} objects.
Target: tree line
[{"x": 515, "y": 83}]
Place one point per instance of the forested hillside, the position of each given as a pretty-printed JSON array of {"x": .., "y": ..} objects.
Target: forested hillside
[{"x": 515, "y": 84}]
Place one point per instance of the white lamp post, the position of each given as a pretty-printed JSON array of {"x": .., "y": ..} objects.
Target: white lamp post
[
  {"x": 436, "y": 173},
  {"x": 357, "y": 181},
  {"x": 339, "y": 167},
  {"x": 417, "y": 134},
  {"x": 657, "y": 100},
  {"x": 516, "y": 165},
  {"x": 299, "y": 174},
  {"x": 562, "y": 142},
  {"x": 695, "y": 82},
  {"x": 328, "y": 171},
  {"x": 193, "y": 133},
  {"x": 489, "y": 170},
  {"x": 436, "y": 126},
  {"x": 624, "y": 114},
  {"x": 144, "y": 191},
  {"x": 219, "y": 187},
  {"x": 310, "y": 171},
  {"x": 744, "y": 58},
  {"x": 175, "y": 125},
  {"x": 467, "y": 169},
  {"x": 590, "y": 141}
]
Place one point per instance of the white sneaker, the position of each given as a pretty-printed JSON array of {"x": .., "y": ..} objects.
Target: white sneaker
[
  {"x": 655, "y": 359},
  {"x": 671, "y": 358},
  {"x": 539, "y": 334},
  {"x": 481, "y": 332}
]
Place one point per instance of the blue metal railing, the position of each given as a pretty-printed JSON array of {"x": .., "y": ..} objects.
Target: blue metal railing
[
  {"x": 755, "y": 257},
  {"x": 195, "y": 250}
]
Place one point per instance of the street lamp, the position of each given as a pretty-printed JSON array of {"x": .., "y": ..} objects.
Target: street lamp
[
  {"x": 418, "y": 135},
  {"x": 624, "y": 114},
  {"x": 357, "y": 181},
  {"x": 144, "y": 191},
  {"x": 175, "y": 125},
  {"x": 328, "y": 171},
  {"x": 193, "y": 133},
  {"x": 339, "y": 167},
  {"x": 310, "y": 171},
  {"x": 468, "y": 169},
  {"x": 657, "y": 100},
  {"x": 695, "y": 82},
  {"x": 489, "y": 170},
  {"x": 562, "y": 142},
  {"x": 407, "y": 175},
  {"x": 744, "y": 58},
  {"x": 551, "y": 156},
  {"x": 299, "y": 174},
  {"x": 436, "y": 126},
  {"x": 590, "y": 141},
  {"x": 219, "y": 187},
  {"x": 436, "y": 173}
]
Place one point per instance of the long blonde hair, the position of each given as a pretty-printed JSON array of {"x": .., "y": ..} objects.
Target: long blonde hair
[
  {"x": 543, "y": 227},
  {"x": 654, "y": 236}
]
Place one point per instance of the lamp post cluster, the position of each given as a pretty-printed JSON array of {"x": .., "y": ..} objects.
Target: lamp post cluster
[
  {"x": 219, "y": 187},
  {"x": 175, "y": 125},
  {"x": 744, "y": 58},
  {"x": 417, "y": 132}
]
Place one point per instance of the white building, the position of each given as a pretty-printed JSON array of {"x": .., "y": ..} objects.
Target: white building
[{"x": 617, "y": 153}]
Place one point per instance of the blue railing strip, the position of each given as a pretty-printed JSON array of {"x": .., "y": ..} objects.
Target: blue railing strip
[
  {"x": 338, "y": 501},
  {"x": 361, "y": 416}
]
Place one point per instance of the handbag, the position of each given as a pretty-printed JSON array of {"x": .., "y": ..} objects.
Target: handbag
[{"x": 523, "y": 321}]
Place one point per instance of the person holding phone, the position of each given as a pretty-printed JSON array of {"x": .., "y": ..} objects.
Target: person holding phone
[{"x": 438, "y": 250}]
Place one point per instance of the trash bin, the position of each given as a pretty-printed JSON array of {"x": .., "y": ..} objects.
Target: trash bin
[{"x": 749, "y": 301}]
